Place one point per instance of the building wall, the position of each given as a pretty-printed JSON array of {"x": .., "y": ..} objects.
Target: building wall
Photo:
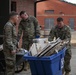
[
  {"x": 68, "y": 11},
  {"x": 27, "y": 5}
]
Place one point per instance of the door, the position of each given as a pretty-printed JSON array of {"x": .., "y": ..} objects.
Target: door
[
  {"x": 4, "y": 14},
  {"x": 49, "y": 23},
  {"x": 71, "y": 23}
]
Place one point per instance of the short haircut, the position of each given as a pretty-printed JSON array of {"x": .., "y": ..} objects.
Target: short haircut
[
  {"x": 13, "y": 13},
  {"x": 22, "y": 12},
  {"x": 59, "y": 19}
]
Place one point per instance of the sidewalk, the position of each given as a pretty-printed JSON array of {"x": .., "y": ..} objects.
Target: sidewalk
[
  {"x": 73, "y": 61},
  {"x": 24, "y": 73},
  {"x": 73, "y": 40}
]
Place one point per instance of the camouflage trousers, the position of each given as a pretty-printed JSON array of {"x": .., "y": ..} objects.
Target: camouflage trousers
[
  {"x": 10, "y": 62},
  {"x": 26, "y": 44},
  {"x": 67, "y": 58}
]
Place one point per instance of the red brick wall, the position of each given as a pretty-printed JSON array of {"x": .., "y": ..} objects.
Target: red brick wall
[
  {"x": 27, "y": 5},
  {"x": 69, "y": 11}
]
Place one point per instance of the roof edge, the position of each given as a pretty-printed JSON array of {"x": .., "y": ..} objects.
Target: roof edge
[{"x": 67, "y": 2}]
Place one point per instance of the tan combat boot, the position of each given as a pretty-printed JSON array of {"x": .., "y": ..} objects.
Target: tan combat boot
[
  {"x": 67, "y": 73},
  {"x": 27, "y": 66}
]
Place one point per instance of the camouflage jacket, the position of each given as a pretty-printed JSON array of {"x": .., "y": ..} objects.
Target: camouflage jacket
[
  {"x": 62, "y": 33},
  {"x": 29, "y": 28},
  {"x": 10, "y": 36}
]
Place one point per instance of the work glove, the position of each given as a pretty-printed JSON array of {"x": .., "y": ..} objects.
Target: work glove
[{"x": 37, "y": 36}]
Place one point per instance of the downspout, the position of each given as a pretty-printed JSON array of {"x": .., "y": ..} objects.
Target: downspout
[{"x": 35, "y": 6}]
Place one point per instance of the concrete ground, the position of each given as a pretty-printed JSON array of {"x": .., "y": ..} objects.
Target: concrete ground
[
  {"x": 73, "y": 60},
  {"x": 24, "y": 73}
]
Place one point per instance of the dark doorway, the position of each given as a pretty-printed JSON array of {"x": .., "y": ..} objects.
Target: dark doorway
[
  {"x": 4, "y": 13},
  {"x": 13, "y": 6}
]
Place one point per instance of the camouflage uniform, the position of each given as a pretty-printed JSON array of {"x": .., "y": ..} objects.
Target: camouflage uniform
[
  {"x": 30, "y": 29},
  {"x": 64, "y": 34},
  {"x": 9, "y": 45}
]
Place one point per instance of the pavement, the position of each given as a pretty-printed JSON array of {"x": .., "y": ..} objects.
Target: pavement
[
  {"x": 24, "y": 73},
  {"x": 73, "y": 60}
]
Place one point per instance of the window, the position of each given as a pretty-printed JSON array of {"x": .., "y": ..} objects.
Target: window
[
  {"x": 13, "y": 6},
  {"x": 49, "y": 23},
  {"x": 72, "y": 23},
  {"x": 49, "y": 11}
]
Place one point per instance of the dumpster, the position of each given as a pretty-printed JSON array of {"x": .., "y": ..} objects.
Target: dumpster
[{"x": 47, "y": 65}]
